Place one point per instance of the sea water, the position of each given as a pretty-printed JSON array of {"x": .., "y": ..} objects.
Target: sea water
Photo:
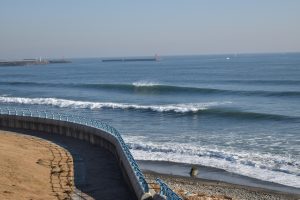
[{"x": 240, "y": 113}]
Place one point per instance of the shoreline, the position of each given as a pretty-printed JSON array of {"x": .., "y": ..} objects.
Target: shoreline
[
  {"x": 214, "y": 175},
  {"x": 201, "y": 189}
]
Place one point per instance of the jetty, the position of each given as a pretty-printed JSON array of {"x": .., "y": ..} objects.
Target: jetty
[
  {"x": 141, "y": 59},
  {"x": 59, "y": 61},
  {"x": 25, "y": 62}
]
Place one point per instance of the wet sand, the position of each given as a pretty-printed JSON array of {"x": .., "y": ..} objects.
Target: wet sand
[{"x": 33, "y": 168}]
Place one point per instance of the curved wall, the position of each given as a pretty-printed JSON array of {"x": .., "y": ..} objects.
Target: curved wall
[{"x": 83, "y": 132}]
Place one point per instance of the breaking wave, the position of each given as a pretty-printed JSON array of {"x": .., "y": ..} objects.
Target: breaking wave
[
  {"x": 274, "y": 168},
  {"x": 204, "y": 108},
  {"x": 145, "y": 84},
  {"x": 178, "y": 108}
]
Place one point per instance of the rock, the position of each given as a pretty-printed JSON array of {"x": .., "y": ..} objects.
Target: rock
[{"x": 194, "y": 171}]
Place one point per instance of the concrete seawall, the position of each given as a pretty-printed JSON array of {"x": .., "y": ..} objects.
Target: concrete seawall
[{"x": 82, "y": 132}]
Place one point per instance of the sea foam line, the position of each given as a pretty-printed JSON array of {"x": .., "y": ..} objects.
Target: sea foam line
[
  {"x": 273, "y": 168},
  {"x": 179, "y": 108}
]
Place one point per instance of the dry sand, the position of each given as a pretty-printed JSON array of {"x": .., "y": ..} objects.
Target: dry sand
[
  {"x": 199, "y": 189},
  {"x": 33, "y": 168}
]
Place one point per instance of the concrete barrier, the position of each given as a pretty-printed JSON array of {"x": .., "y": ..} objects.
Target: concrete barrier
[{"x": 91, "y": 134}]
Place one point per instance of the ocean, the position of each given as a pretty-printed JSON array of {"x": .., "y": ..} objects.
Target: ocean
[{"x": 239, "y": 113}]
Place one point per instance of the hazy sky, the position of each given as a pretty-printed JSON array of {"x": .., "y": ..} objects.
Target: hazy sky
[{"x": 99, "y": 28}]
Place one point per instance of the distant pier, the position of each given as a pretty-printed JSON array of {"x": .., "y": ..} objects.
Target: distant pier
[
  {"x": 145, "y": 59},
  {"x": 59, "y": 61}
]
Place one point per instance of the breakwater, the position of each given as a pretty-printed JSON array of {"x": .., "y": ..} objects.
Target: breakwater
[
  {"x": 131, "y": 59},
  {"x": 23, "y": 63},
  {"x": 31, "y": 62}
]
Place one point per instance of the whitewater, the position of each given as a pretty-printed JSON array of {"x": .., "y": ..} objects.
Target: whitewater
[
  {"x": 180, "y": 108},
  {"x": 277, "y": 169}
]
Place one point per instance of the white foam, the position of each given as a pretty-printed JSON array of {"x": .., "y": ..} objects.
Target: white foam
[
  {"x": 144, "y": 84},
  {"x": 251, "y": 164},
  {"x": 180, "y": 108}
]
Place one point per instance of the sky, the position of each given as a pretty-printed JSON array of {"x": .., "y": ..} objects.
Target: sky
[{"x": 111, "y": 28}]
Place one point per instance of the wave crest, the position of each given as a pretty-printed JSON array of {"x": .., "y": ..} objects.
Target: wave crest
[
  {"x": 157, "y": 88},
  {"x": 203, "y": 108},
  {"x": 144, "y": 84},
  {"x": 178, "y": 108}
]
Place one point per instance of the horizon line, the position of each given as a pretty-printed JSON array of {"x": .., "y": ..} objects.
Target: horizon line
[{"x": 159, "y": 55}]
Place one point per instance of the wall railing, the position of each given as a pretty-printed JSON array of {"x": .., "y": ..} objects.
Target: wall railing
[
  {"x": 87, "y": 122},
  {"x": 166, "y": 191}
]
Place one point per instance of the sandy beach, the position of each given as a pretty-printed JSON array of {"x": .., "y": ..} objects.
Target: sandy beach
[
  {"x": 200, "y": 189},
  {"x": 33, "y": 168}
]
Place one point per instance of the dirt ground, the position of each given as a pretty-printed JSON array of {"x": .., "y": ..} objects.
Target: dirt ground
[{"x": 34, "y": 168}]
